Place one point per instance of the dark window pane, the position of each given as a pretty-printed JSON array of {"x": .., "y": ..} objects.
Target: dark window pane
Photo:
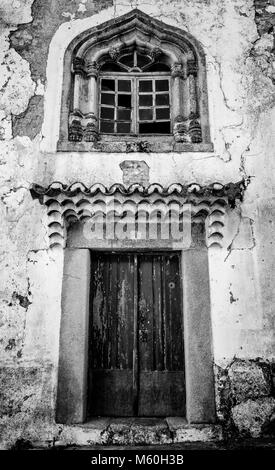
[
  {"x": 107, "y": 113},
  {"x": 154, "y": 128},
  {"x": 124, "y": 101},
  {"x": 111, "y": 67},
  {"x": 145, "y": 85},
  {"x": 127, "y": 60},
  {"x": 145, "y": 114},
  {"x": 123, "y": 127},
  {"x": 124, "y": 85},
  {"x": 162, "y": 100},
  {"x": 145, "y": 100},
  {"x": 162, "y": 85},
  {"x": 107, "y": 98},
  {"x": 142, "y": 60},
  {"x": 162, "y": 113},
  {"x": 106, "y": 126},
  {"x": 124, "y": 114},
  {"x": 158, "y": 68},
  {"x": 107, "y": 85}
]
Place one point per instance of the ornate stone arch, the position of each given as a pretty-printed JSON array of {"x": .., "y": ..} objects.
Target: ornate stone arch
[{"x": 164, "y": 46}]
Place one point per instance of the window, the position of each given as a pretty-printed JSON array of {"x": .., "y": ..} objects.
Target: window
[
  {"x": 134, "y": 80},
  {"x": 137, "y": 102}
]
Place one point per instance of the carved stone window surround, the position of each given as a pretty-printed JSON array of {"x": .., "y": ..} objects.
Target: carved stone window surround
[{"x": 181, "y": 53}]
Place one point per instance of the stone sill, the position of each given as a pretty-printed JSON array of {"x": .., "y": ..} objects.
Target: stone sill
[
  {"x": 132, "y": 145},
  {"x": 137, "y": 431}
]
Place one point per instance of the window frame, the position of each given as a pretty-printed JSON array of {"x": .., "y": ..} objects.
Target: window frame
[{"x": 135, "y": 78}]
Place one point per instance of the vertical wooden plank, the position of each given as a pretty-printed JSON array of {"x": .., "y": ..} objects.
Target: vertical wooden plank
[
  {"x": 135, "y": 345},
  {"x": 177, "y": 325},
  {"x": 163, "y": 309},
  {"x": 145, "y": 313},
  {"x": 174, "y": 313},
  {"x": 158, "y": 363},
  {"x": 111, "y": 268},
  {"x": 104, "y": 313},
  {"x": 125, "y": 296},
  {"x": 99, "y": 308}
]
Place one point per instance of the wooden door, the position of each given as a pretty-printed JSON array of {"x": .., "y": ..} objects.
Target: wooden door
[{"x": 136, "y": 357}]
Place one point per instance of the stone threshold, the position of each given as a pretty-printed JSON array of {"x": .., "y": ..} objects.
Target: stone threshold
[{"x": 137, "y": 431}]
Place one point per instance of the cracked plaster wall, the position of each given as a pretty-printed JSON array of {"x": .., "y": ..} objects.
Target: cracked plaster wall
[{"x": 237, "y": 36}]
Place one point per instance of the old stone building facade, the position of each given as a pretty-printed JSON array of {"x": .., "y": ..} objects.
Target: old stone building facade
[{"x": 112, "y": 114}]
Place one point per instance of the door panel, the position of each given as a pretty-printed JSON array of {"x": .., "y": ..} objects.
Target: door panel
[
  {"x": 161, "y": 355},
  {"x": 161, "y": 393},
  {"x": 111, "y": 335},
  {"x": 136, "y": 313},
  {"x": 111, "y": 393}
]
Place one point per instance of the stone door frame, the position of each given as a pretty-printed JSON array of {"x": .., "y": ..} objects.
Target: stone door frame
[{"x": 73, "y": 359}]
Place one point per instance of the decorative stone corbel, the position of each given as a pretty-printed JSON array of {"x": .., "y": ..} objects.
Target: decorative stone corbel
[
  {"x": 83, "y": 127},
  {"x": 92, "y": 69},
  {"x": 114, "y": 53},
  {"x": 155, "y": 53},
  {"x": 181, "y": 130},
  {"x": 79, "y": 66},
  {"x": 177, "y": 70},
  {"x": 195, "y": 130}
]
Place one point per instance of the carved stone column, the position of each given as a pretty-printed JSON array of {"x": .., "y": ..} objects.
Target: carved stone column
[
  {"x": 83, "y": 121},
  {"x": 91, "y": 118},
  {"x": 79, "y": 70},
  {"x": 194, "y": 125},
  {"x": 75, "y": 117},
  {"x": 180, "y": 129}
]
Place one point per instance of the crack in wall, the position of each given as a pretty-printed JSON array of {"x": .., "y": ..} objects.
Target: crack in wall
[
  {"x": 252, "y": 237},
  {"x": 225, "y": 99}
]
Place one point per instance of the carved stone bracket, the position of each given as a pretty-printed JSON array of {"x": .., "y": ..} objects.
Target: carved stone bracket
[
  {"x": 79, "y": 66},
  {"x": 155, "y": 53},
  {"x": 177, "y": 70},
  {"x": 83, "y": 127},
  {"x": 92, "y": 69},
  {"x": 87, "y": 69},
  {"x": 195, "y": 131},
  {"x": 67, "y": 205},
  {"x": 187, "y": 130},
  {"x": 181, "y": 130},
  {"x": 114, "y": 53}
]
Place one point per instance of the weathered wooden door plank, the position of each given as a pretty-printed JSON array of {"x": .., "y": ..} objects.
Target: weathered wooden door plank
[
  {"x": 161, "y": 379},
  {"x": 112, "y": 335},
  {"x": 135, "y": 341}
]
